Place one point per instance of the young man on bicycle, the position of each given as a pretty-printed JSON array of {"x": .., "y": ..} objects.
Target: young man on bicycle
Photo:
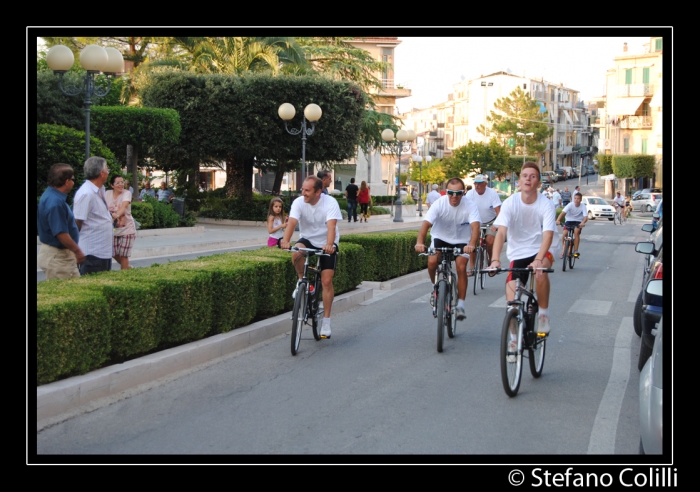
[
  {"x": 489, "y": 205},
  {"x": 317, "y": 215},
  {"x": 620, "y": 203},
  {"x": 576, "y": 217},
  {"x": 455, "y": 223},
  {"x": 527, "y": 220}
]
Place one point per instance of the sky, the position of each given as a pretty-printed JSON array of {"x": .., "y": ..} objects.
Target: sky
[{"x": 430, "y": 66}]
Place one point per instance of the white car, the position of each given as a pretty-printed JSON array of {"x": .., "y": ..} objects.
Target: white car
[{"x": 598, "y": 207}]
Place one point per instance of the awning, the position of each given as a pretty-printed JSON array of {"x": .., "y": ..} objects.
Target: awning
[
  {"x": 568, "y": 117},
  {"x": 625, "y": 106},
  {"x": 575, "y": 115}
]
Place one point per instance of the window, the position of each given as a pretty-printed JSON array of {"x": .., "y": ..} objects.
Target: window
[
  {"x": 524, "y": 86},
  {"x": 628, "y": 76},
  {"x": 646, "y": 110},
  {"x": 626, "y": 145},
  {"x": 645, "y": 75},
  {"x": 657, "y": 44},
  {"x": 644, "y": 146}
]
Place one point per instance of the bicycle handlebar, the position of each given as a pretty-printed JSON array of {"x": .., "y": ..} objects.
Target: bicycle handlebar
[
  {"x": 454, "y": 251},
  {"x": 527, "y": 269},
  {"x": 309, "y": 251}
]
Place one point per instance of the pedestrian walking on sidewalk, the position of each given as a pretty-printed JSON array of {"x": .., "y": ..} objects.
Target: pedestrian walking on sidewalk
[
  {"x": 119, "y": 203},
  {"x": 363, "y": 198},
  {"x": 351, "y": 195}
]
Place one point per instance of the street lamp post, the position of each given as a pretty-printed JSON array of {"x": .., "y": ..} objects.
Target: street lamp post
[
  {"x": 524, "y": 135},
  {"x": 312, "y": 112},
  {"x": 401, "y": 143},
  {"x": 95, "y": 60}
]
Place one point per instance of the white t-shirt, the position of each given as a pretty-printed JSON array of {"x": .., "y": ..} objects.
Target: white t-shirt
[
  {"x": 525, "y": 225},
  {"x": 556, "y": 198},
  {"x": 620, "y": 200},
  {"x": 486, "y": 203},
  {"x": 432, "y": 197},
  {"x": 574, "y": 213},
  {"x": 312, "y": 218},
  {"x": 452, "y": 224}
]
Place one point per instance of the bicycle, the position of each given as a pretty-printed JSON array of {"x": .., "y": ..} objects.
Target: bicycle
[
  {"x": 305, "y": 311},
  {"x": 481, "y": 260},
  {"x": 620, "y": 217},
  {"x": 569, "y": 242},
  {"x": 444, "y": 297},
  {"x": 520, "y": 318}
]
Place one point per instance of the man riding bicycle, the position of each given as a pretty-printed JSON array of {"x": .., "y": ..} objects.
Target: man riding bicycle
[
  {"x": 619, "y": 202},
  {"x": 455, "y": 223},
  {"x": 576, "y": 217},
  {"x": 317, "y": 215},
  {"x": 489, "y": 205},
  {"x": 527, "y": 220}
]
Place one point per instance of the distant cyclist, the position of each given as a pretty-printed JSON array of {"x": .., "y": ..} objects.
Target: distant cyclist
[
  {"x": 455, "y": 223},
  {"x": 489, "y": 204},
  {"x": 576, "y": 217},
  {"x": 620, "y": 202}
]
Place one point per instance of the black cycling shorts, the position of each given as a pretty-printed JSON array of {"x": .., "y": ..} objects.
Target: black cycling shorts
[
  {"x": 524, "y": 263},
  {"x": 326, "y": 262}
]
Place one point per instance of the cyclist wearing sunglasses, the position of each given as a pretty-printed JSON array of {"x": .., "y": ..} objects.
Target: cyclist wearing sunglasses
[{"x": 455, "y": 222}]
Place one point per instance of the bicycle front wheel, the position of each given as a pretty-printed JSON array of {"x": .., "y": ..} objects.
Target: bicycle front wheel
[
  {"x": 314, "y": 315},
  {"x": 536, "y": 350},
  {"x": 298, "y": 314},
  {"x": 452, "y": 325},
  {"x": 616, "y": 218},
  {"x": 572, "y": 258},
  {"x": 511, "y": 361},
  {"x": 442, "y": 309},
  {"x": 477, "y": 267},
  {"x": 485, "y": 262},
  {"x": 566, "y": 253}
]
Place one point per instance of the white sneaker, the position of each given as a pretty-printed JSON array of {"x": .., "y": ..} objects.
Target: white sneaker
[
  {"x": 543, "y": 324},
  {"x": 326, "y": 330},
  {"x": 512, "y": 347}
]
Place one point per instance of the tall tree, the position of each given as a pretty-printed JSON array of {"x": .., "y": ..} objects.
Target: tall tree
[
  {"x": 515, "y": 113},
  {"x": 476, "y": 158}
]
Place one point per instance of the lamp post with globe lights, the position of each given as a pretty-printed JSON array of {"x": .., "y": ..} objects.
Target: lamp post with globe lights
[
  {"x": 400, "y": 142},
  {"x": 95, "y": 60},
  {"x": 312, "y": 112}
]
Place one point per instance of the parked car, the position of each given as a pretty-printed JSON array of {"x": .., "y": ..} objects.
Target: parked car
[
  {"x": 591, "y": 169},
  {"x": 651, "y": 309},
  {"x": 651, "y": 390},
  {"x": 562, "y": 174},
  {"x": 546, "y": 179},
  {"x": 554, "y": 177},
  {"x": 573, "y": 173},
  {"x": 657, "y": 216},
  {"x": 647, "y": 190},
  {"x": 651, "y": 250},
  {"x": 646, "y": 202},
  {"x": 598, "y": 207},
  {"x": 583, "y": 170}
]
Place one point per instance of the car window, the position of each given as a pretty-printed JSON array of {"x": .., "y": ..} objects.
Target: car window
[{"x": 597, "y": 201}]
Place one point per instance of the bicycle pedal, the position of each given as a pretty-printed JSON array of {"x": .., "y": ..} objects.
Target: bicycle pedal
[{"x": 542, "y": 335}]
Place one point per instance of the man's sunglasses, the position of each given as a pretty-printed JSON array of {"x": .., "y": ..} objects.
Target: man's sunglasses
[{"x": 455, "y": 192}]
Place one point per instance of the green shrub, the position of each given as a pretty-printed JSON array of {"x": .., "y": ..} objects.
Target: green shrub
[
  {"x": 143, "y": 213},
  {"x": 388, "y": 254},
  {"x": 164, "y": 215}
]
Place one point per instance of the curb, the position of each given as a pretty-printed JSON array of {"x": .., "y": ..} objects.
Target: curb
[{"x": 63, "y": 396}]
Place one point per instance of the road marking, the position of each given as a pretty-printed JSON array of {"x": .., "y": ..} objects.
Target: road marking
[
  {"x": 605, "y": 425},
  {"x": 637, "y": 281},
  {"x": 499, "y": 303},
  {"x": 600, "y": 308}
]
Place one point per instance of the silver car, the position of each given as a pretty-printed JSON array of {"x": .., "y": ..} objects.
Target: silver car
[
  {"x": 651, "y": 397},
  {"x": 646, "y": 202}
]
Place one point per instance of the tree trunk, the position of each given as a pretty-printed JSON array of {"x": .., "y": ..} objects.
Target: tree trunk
[
  {"x": 239, "y": 173},
  {"x": 134, "y": 170},
  {"x": 279, "y": 174}
]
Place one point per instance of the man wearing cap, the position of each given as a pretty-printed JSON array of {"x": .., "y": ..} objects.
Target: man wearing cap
[
  {"x": 489, "y": 205},
  {"x": 432, "y": 196}
]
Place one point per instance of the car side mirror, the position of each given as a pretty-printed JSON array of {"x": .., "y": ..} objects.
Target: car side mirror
[
  {"x": 645, "y": 247},
  {"x": 655, "y": 287},
  {"x": 648, "y": 228}
]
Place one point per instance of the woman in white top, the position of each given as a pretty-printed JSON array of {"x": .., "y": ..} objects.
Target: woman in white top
[{"x": 119, "y": 204}]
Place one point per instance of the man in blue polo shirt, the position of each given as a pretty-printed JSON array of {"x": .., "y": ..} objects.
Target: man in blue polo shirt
[{"x": 59, "y": 255}]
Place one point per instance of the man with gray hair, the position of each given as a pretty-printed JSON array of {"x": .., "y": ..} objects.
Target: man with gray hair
[
  {"x": 325, "y": 177},
  {"x": 93, "y": 218},
  {"x": 433, "y": 196}
]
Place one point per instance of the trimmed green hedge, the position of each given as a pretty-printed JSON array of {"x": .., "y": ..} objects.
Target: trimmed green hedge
[{"x": 388, "y": 254}]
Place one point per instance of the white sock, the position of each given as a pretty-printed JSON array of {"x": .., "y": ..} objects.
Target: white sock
[
  {"x": 327, "y": 322},
  {"x": 543, "y": 312},
  {"x": 460, "y": 303}
]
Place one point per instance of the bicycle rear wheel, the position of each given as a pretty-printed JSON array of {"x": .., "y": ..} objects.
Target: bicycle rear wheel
[
  {"x": 477, "y": 267},
  {"x": 298, "y": 314},
  {"x": 314, "y": 314},
  {"x": 536, "y": 351},
  {"x": 566, "y": 252},
  {"x": 441, "y": 313},
  {"x": 452, "y": 325},
  {"x": 572, "y": 258},
  {"x": 485, "y": 262},
  {"x": 511, "y": 362}
]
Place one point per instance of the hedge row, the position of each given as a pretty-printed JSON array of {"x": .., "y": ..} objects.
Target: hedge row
[{"x": 101, "y": 319}]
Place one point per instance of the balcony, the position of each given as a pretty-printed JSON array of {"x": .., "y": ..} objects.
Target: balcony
[
  {"x": 636, "y": 122},
  {"x": 389, "y": 89},
  {"x": 622, "y": 90}
]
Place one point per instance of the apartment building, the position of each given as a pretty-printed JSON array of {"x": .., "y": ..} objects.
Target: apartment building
[
  {"x": 630, "y": 113},
  {"x": 455, "y": 123}
]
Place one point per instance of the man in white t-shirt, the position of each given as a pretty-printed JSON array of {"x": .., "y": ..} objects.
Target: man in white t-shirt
[
  {"x": 432, "y": 196},
  {"x": 527, "y": 220},
  {"x": 489, "y": 204},
  {"x": 576, "y": 216},
  {"x": 455, "y": 222},
  {"x": 317, "y": 215},
  {"x": 619, "y": 201},
  {"x": 556, "y": 198}
]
